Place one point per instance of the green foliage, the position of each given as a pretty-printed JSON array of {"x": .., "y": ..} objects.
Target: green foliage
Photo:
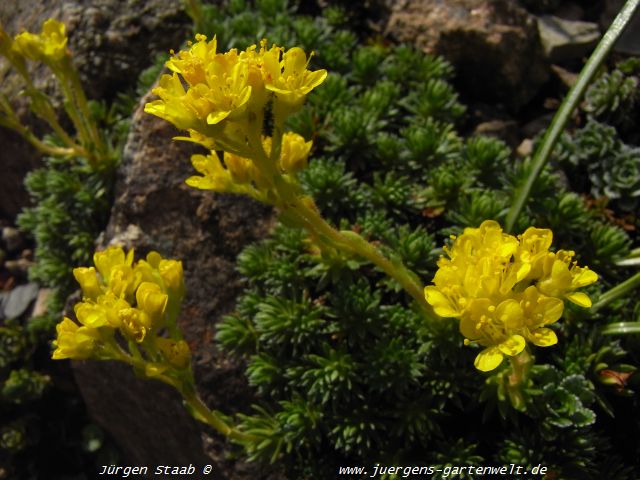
[
  {"x": 71, "y": 206},
  {"x": 612, "y": 167},
  {"x": 345, "y": 370},
  {"x": 614, "y": 99}
]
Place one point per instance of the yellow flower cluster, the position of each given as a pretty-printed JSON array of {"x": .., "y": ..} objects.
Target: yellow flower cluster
[
  {"x": 49, "y": 46},
  {"x": 221, "y": 100},
  {"x": 238, "y": 173},
  {"x": 225, "y": 91},
  {"x": 138, "y": 300},
  {"x": 506, "y": 290}
]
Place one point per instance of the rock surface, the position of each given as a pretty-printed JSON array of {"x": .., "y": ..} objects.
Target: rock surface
[
  {"x": 485, "y": 40},
  {"x": 154, "y": 209},
  {"x": 112, "y": 42},
  {"x": 564, "y": 40}
]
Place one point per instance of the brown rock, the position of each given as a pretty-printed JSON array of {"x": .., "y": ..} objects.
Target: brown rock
[
  {"x": 112, "y": 40},
  {"x": 154, "y": 209},
  {"x": 493, "y": 45}
]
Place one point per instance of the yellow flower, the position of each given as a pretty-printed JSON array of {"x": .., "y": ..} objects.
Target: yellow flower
[
  {"x": 173, "y": 277},
  {"x": 494, "y": 327},
  {"x": 151, "y": 299},
  {"x": 241, "y": 169},
  {"x": 10, "y": 53},
  {"x": 173, "y": 105},
  {"x": 137, "y": 300},
  {"x": 91, "y": 315},
  {"x": 289, "y": 78},
  {"x": 217, "y": 87},
  {"x": 539, "y": 311},
  {"x": 177, "y": 353},
  {"x": 294, "y": 153},
  {"x": 506, "y": 290},
  {"x": 49, "y": 47},
  {"x": 561, "y": 278},
  {"x": 112, "y": 305},
  {"x": 192, "y": 63},
  {"x": 87, "y": 277},
  {"x": 107, "y": 260},
  {"x": 73, "y": 341},
  {"x": 208, "y": 90},
  {"x": 214, "y": 176},
  {"x": 135, "y": 323}
]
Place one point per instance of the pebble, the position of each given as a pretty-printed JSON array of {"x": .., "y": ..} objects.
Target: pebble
[
  {"x": 19, "y": 267},
  {"x": 12, "y": 239}
]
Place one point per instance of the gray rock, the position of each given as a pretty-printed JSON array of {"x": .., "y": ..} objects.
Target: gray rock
[
  {"x": 12, "y": 239},
  {"x": 485, "y": 40},
  {"x": 18, "y": 300},
  {"x": 154, "y": 209},
  {"x": 564, "y": 40}
]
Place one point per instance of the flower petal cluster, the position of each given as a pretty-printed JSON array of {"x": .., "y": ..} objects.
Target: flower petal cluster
[
  {"x": 49, "y": 46},
  {"x": 506, "y": 290},
  {"x": 207, "y": 89},
  {"x": 138, "y": 300},
  {"x": 238, "y": 174}
]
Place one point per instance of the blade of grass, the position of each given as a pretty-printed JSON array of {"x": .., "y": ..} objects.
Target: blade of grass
[{"x": 568, "y": 105}]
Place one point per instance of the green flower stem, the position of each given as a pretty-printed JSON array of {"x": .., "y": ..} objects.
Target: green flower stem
[
  {"x": 41, "y": 106},
  {"x": 516, "y": 380},
  {"x": 187, "y": 390},
  {"x": 568, "y": 105},
  {"x": 354, "y": 243},
  {"x": 292, "y": 200},
  {"x": 213, "y": 419},
  {"x": 77, "y": 108},
  {"x": 85, "y": 113},
  {"x": 616, "y": 292},
  {"x": 37, "y": 143},
  {"x": 73, "y": 112}
]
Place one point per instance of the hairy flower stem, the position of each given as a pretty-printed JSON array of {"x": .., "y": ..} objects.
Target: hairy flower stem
[
  {"x": 353, "y": 243},
  {"x": 186, "y": 388},
  {"x": 520, "y": 366},
  {"x": 211, "y": 418},
  {"x": 81, "y": 103},
  {"x": 346, "y": 241},
  {"x": 568, "y": 106},
  {"x": 617, "y": 292},
  {"x": 39, "y": 144}
]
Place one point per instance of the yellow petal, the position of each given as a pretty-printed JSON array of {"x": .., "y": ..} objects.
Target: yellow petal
[
  {"x": 580, "y": 299},
  {"x": 87, "y": 277},
  {"x": 513, "y": 345},
  {"x": 584, "y": 277},
  {"x": 216, "y": 117},
  {"x": 510, "y": 313},
  {"x": 543, "y": 337},
  {"x": 440, "y": 303},
  {"x": 488, "y": 359},
  {"x": 553, "y": 308}
]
